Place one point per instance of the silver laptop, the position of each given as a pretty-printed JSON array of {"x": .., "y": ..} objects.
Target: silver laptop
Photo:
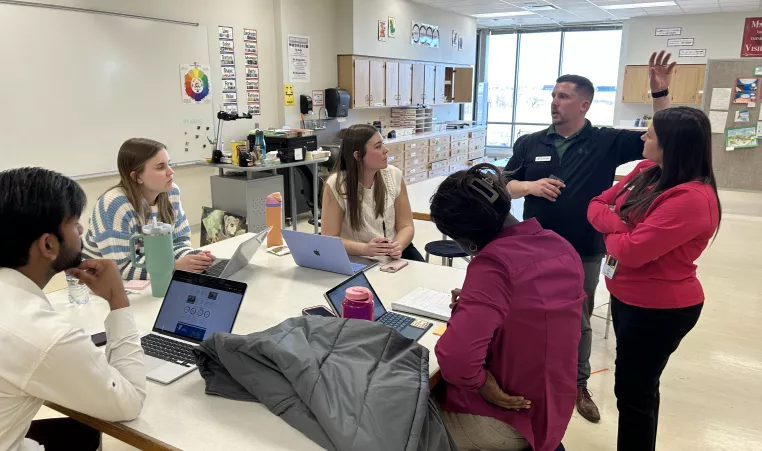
[
  {"x": 325, "y": 253},
  {"x": 195, "y": 307},
  {"x": 224, "y": 268}
]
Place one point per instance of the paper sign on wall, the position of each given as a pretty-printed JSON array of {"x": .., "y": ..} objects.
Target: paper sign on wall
[
  {"x": 299, "y": 58},
  {"x": 720, "y": 98},
  {"x": 692, "y": 53},
  {"x": 680, "y": 42},
  {"x": 318, "y": 98},
  {"x": 751, "y": 44},
  {"x": 718, "y": 119},
  {"x": 225, "y": 32},
  {"x": 288, "y": 93},
  {"x": 195, "y": 83},
  {"x": 673, "y": 31},
  {"x": 228, "y": 85}
]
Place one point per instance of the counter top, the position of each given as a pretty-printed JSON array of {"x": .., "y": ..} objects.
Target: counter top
[{"x": 432, "y": 134}]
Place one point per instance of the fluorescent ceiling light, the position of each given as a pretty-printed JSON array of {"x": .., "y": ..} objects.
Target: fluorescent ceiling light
[
  {"x": 506, "y": 14},
  {"x": 638, "y": 5}
]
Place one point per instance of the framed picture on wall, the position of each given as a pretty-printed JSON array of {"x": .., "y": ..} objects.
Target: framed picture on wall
[
  {"x": 391, "y": 27},
  {"x": 454, "y": 38},
  {"x": 382, "y": 30}
]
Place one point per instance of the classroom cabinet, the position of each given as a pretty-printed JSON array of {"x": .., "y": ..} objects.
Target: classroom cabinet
[
  {"x": 439, "y": 86},
  {"x": 380, "y": 83},
  {"x": 684, "y": 89},
  {"x": 419, "y": 83},
  {"x": 429, "y": 83}
]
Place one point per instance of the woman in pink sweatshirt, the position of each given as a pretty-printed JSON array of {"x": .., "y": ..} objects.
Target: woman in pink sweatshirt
[{"x": 656, "y": 222}]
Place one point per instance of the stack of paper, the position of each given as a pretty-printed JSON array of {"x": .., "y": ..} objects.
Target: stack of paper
[{"x": 425, "y": 302}]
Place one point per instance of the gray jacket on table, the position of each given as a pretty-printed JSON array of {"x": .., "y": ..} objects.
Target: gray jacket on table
[{"x": 345, "y": 384}]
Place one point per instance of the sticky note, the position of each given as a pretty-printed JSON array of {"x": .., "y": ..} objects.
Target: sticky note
[{"x": 440, "y": 330}]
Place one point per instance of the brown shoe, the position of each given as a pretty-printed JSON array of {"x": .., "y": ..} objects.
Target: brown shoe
[{"x": 586, "y": 407}]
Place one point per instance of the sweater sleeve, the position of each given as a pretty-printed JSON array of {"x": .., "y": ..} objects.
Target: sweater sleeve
[
  {"x": 182, "y": 232},
  {"x": 672, "y": 222},
  {"x": 599, "y": 213},
  {"x": 114, "y": 222},
  {"x": 481, "y": 310}
]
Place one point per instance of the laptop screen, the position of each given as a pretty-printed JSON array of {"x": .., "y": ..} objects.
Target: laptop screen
[
  {"x": 336, "y": 295},
  {"x": 196, "y": 306}
]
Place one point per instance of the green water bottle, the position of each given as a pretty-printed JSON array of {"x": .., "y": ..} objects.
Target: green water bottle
[{"x": 159, "y": 255}]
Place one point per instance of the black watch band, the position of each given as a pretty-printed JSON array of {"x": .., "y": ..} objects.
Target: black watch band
[{"x": 659, "y": 94}]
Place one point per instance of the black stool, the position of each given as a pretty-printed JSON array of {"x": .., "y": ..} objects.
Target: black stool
[{"x": 448, "y": 250}]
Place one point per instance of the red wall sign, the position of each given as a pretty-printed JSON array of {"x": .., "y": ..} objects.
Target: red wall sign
[{"x": 751, "y": 45}]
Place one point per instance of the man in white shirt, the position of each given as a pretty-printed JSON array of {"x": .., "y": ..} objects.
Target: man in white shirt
[{"x": 42, "y": 357}]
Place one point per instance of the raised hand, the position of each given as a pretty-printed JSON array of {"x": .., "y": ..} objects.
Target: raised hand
[{"x": 660, "y": 70}]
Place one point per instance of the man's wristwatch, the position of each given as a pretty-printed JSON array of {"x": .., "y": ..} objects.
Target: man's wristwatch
[{"x": 659, "y": 94}]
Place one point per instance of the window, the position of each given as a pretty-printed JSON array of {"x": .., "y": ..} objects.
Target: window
[
  {"x": 583, "y": 55},
  {"x": 538, "y": 70},
  {"x": 501, "y": 73},
  {"x": 542, "y": 58}
]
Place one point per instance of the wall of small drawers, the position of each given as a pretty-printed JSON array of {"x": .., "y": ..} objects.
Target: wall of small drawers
[{"x": 437, "y": 155}]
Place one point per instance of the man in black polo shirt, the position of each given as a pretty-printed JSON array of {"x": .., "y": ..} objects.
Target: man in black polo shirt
[{"x": 562, "y": 168}]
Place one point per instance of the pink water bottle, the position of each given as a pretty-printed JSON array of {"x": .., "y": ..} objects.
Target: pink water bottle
[{"x": 358, "y": 303}]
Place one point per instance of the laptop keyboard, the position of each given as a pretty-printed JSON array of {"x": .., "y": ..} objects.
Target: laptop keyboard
[
  {"x": 395, "y": 321},
  {"x": 216, "y": 269},
  {"x": 169, "y": 350},
  {"x": 357, "y": 267}
]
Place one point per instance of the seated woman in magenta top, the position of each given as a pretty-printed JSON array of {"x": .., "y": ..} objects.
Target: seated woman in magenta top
[{"x": 509, "y": 355}]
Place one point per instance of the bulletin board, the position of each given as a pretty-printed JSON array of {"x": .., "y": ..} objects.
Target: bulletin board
[
  {"x": 740, "y": 168},
  {"x": 77, "y": 85}
]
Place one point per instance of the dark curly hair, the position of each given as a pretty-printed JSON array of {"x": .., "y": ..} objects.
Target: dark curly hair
[{"x": 472, "y": 204}]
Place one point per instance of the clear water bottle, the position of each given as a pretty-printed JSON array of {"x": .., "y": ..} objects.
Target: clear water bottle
[{"x": 79, "y": 294}]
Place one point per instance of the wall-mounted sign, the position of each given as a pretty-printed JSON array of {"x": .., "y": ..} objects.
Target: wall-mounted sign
[
  {"x": 673, "y": 31},
  {"x": 751, "y": 44},
  {"x": 680, "y": 42},
  {"x": 425, "y": 35},
  {"x": 692, "y": 53},
  {"x": 318, "y": 98}
]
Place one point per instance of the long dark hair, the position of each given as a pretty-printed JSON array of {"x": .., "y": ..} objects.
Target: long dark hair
[
  {"x": 349, "y": 170},
  {"x": 685, "y": 136},
  {"x": 472, "y": 204},
  {"x": 133, "y": 156}
]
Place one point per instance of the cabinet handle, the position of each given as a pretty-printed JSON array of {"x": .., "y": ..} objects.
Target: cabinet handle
[{"x": 371, "y": 99}]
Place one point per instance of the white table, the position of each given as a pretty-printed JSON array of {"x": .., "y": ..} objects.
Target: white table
[{"x": 180, "y": 415}]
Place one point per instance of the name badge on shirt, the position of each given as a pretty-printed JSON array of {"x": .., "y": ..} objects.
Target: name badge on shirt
[
  {"x": 609, "y": 267},
  {"x": 542, "y": 159}
]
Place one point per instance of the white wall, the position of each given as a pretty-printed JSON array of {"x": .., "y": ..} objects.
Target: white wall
[
  {"x": 367, "y": 13},
  {"x": 719, "y": 33}
]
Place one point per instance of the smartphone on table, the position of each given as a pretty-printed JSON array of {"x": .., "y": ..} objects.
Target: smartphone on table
[
  {"x": 394, "y": 266},
  {"x": 318, "y": 310}
]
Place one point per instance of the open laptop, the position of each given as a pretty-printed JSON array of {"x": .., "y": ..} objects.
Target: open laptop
[
  {"x": 325, "y": 253},
  {"x": 195, "y": 307},
  {"x": 224, "y": 268},
  {"x": 406, "y": 325}
]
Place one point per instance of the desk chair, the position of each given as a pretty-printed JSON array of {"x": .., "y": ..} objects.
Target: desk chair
[{"x": 448, "y": 250}]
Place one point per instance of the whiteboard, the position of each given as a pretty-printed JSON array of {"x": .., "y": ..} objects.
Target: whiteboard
[{"x": 76, "y": 85}]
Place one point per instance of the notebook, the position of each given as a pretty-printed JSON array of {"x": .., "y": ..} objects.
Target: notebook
[{"x": 425, "y": 302}]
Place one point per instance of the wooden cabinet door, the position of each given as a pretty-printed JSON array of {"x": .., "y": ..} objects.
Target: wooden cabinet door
[
  {"x": 377, "y": 83},
  {"x": 429, "y": 83},
  {"x": 439, "y": 86},
  {"x": 687, "y": 81},
  {"x": 635, "y": 86},
  {"x": 362, "y": 83},
  {"x": 392, "y": 83},
  {"x": 406, "y": 84},
  {"x": 463, "y": 85},
  {"x": 418, "y": 83}
]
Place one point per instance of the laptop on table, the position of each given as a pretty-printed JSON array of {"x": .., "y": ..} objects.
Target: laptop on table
[
  {"x": 325, "y": 253},
  {"x": 195, "y": 307},
  {"x": 224, "y": 268},
  {"x": 406, "y": 325}
]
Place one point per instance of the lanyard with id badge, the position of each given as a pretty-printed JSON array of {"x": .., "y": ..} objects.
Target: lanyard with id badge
[{"x": 609, "y": 267}]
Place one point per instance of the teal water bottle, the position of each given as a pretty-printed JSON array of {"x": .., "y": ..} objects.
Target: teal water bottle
[{"x": 159, "y": 255}]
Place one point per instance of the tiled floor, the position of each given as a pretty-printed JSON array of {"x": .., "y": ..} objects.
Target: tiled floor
[{"x": 711, "y": 397}]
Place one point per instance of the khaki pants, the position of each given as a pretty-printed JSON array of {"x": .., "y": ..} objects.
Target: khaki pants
[{"x": 477, "y": 433}]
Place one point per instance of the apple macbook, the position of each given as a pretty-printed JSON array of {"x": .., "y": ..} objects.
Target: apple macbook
[
  {"x": 406, "y": 325},
  {"x": 325, "y": 253},
  {"x": 195, "y": 307},
  {"x": 224, "y": 268}
]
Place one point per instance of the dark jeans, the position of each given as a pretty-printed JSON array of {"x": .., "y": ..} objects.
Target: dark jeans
[
  {"x": 64, "y": 434},
  {"x": 411, "y": 253},
  {"x": 645, "y": 338}
]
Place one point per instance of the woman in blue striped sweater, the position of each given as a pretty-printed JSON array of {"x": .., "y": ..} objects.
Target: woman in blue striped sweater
[{"x": 146, "y": 190}]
